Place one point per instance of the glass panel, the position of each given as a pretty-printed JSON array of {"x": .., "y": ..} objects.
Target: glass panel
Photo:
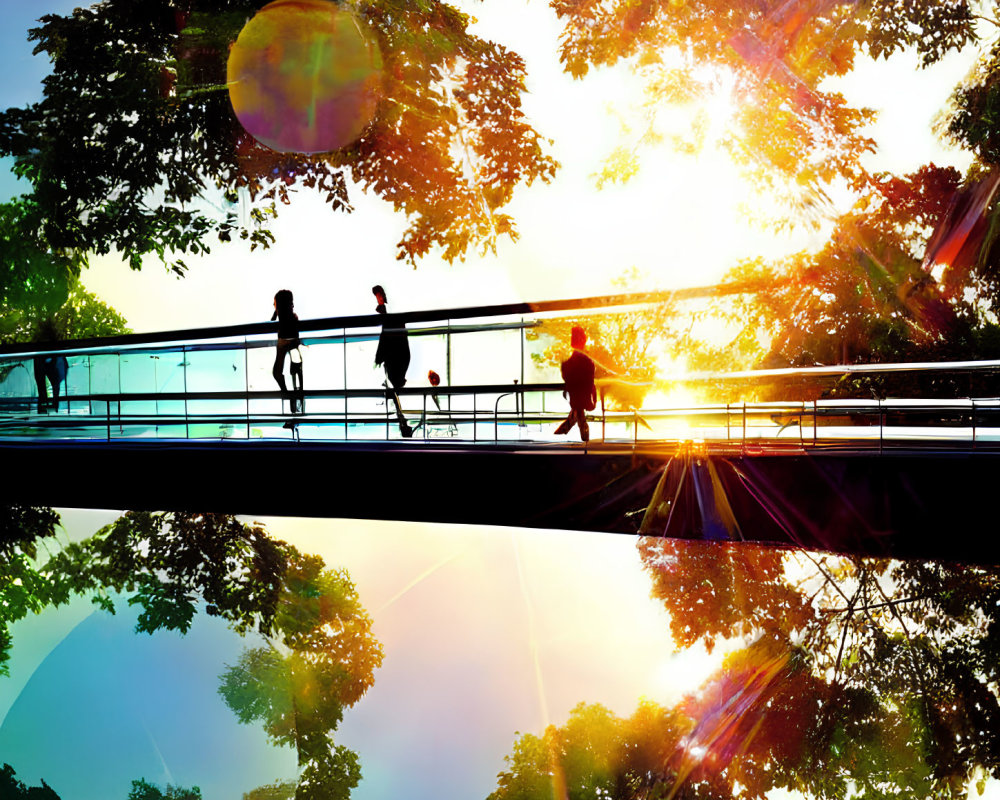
[
  {"x": 216, "y": 370},
  {"x": 17, "y": 384},
  {"x": 104, "y": 374}
]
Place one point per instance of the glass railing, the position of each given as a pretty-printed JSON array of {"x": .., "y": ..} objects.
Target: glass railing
[{"x": 217, "y": 384}]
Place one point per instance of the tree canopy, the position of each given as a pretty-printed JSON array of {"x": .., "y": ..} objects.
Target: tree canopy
[
  {"x": 871, "y": 293},
  {"x": 298, "y": 686},
  {"x": 851, "y": 677},
  {"x": 135, "y": 144},
  {"x": 772, "y": 59},
  {"x": 12, "y": 788},
  {"x": 320, "y": 656},
  {"x": 40, "y": 286}
]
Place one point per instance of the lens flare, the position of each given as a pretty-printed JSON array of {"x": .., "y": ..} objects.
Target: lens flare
[
  {"x": 304, "y": 76},
  {"x": 731, "y": 712}
]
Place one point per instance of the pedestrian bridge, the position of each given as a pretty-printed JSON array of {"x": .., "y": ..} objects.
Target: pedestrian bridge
[{"x": 192, "y": 419}]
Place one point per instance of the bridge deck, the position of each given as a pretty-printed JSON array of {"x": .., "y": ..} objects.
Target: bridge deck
[
  {"x": 899, "y": 502},
  {"x": 191, "y": 420}
]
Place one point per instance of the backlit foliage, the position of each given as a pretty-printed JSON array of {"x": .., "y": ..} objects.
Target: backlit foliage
[
  {"x": 320, "y": 656},
  {"x": 135, "y": 144},
  {"x": 855, "y": 677}
]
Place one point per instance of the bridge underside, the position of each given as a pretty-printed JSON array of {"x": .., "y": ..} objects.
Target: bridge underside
[{"x": 901, "y": 504}]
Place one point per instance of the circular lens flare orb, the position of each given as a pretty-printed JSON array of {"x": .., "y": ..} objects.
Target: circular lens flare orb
[{"x": 304, "y": 76}]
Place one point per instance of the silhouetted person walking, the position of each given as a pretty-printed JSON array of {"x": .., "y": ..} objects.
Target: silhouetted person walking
[
  {"x": 288, "y": 344},
  {"x": 393, "y": 354},
  {"x": 578, "y": 375},
  {"x": 52, "y": 367}
]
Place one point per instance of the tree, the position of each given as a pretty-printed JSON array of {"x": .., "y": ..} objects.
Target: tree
[
  {"x": 626, "y": 345},
  {"x": 623, "y": 346},
  {"x": 142, "y": 790},
  {"x": 866, "y": 296},
  {"x": 888, "y": 671},
  {"x": 321, "y": 656},
  {"x": 40, "y": 286},
  {"x": 321, "y": 660},
  {"x": 596, "y": 754},
  {"x": 755, "y": 75},
  {"x": 34, "y": 280},
  {"x": 771, "y": 60},
  {"x": 135, "y": 138},
  {"x": 13, "y": 789}
]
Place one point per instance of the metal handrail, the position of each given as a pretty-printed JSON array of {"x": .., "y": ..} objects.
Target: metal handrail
[{"x": 760, "y": 423}]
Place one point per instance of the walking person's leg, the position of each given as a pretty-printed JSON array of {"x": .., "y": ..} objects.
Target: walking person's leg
[
  {"x": 278, "y": 370},
  {"x": 390, "y": 392},
  {"x": 568, "y": 423},
  {"x": 298, "y": 389}
]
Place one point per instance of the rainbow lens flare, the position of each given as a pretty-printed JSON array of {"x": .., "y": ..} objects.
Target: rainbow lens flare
[{"x": 304, "y": 76}]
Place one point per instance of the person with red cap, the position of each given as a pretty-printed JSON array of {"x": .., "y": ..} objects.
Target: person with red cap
[{"x": 578, "y": 375}]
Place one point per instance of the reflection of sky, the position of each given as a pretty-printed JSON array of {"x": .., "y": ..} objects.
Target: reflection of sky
[
  {"x": 462, "y": 624},
  {"x": 486, "y": 633},
  {"x": 108, "y": 706}
]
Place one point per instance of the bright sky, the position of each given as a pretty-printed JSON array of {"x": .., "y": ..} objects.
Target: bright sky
[
  {"x": 487, "y": 631},
  {"x": 679, "y": 221}
]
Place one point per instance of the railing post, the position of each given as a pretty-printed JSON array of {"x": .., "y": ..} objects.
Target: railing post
[
  {"x": 246, "y": 381},
  {"x": 604, "y": 419},
  {"x": 522, "y": 352},
  {"x": 344, "y": 360},
  {"x": 156, "y": 390},
  {"x": 815, "y": 422},
  {"x": 184, "y": 367},
  {"x": 447, "y": 363},
  {"x": 743, "y": 437},
  {"x": 973, "y": 401},
  {"x": 880, "y": 426},
  {"x": 728, "y": 435}
]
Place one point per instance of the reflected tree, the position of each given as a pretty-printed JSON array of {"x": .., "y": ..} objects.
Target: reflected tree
[
  {"x": 169, "y": 563},
  {"x": 143, "y": 790},
  {"x": 13, "y": 789},
  {"x": 844, "y": 677},
  {"x": 320, "y": 660},
  {"x": 280, "y": 790},
  {"x": 596, "y": 754},
  {"x": 24, "y": 589},
  {"x": 321, "y": 653},
  {"x": 890, "y": 681}
]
